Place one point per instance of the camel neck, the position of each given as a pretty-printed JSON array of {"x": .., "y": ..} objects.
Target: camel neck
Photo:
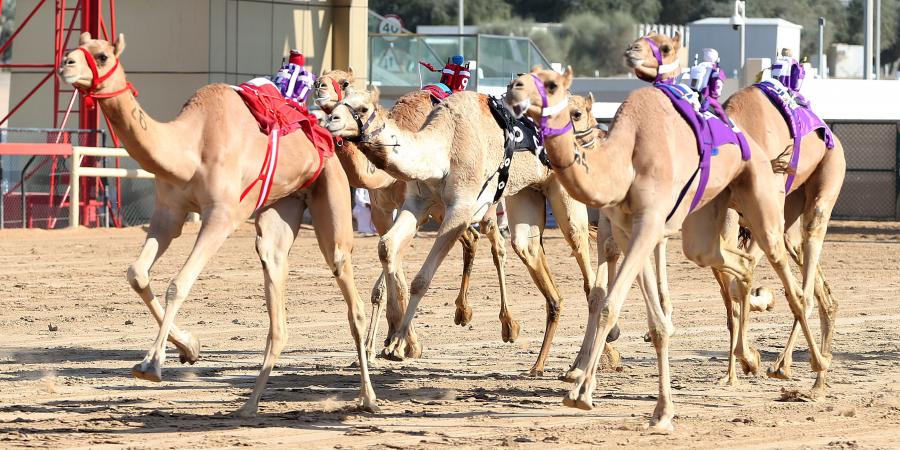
[
  {"x": 408, "y": 155},
  {"x": 599, "y": 176},
  {"x": 159, "y": 148}
]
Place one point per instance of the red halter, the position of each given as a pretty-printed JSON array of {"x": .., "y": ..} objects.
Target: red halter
[
  {"x": 91, "y": 93},
  {"x": 337, "y": 89}
]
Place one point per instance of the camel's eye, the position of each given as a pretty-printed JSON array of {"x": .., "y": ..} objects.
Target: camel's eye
[
  {"x": 551, "y": 87},
  {"x": 577, "y": 116},
  {"x": 665, "y": 48},
  {"x": 363, "y": 109},
  {"x": 344, "y": 84},
  {"x": 102, "y": 58}
]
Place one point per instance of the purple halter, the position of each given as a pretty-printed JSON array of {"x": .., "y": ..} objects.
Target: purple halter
[
  {"x": 546, "y": 112},
  {"x": 660, "y": 67}
]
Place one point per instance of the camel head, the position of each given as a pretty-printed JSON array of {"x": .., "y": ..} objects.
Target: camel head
[
  {"x": 654, "y": 57},
  {"x": 330, "y": 88},
  {"x": 355, "y": 115},
  {"x": 580, "y": 110},
  {"x": 108, "y": 75},
  {"x": 543, "y": 93}
]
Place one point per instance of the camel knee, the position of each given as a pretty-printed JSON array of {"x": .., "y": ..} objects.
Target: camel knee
[
  {"x": 338, "y": 261},
  {"x": 387, "y": 252},
  {"x": 175, "y": 294},
  {"x": 278, "y": 335},
  {"x": 526, "y": 248},
  {"x": 268, "y": 254},
  {"x": 138, "y": 278},
  {"x": 418, "y": 286},
  {"x": 554, "y": 309}
]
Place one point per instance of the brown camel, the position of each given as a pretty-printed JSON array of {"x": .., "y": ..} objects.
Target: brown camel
[
  {"x": 202, "y": 160},
  {"x": 387, "y": 194},
  {"x": 815, "y": 189},
  {"x": 636, "y": 175},
  {"x": 446, "y": 162}
]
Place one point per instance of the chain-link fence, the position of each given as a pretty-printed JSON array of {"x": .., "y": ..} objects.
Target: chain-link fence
[
  {"x": 34, "y": 189},
  {"x": 871, "y": 185}
]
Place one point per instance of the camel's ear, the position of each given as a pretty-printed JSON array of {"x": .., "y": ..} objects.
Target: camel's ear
[
  {"x": 85, "y": 38},
  {"x": 676, "y": 42},
  {"x": 536, "y": 68},
  {"x": 567, "y": 77},
  {"x": 120, "y": 45},
  {"x": 590, "y": 101},
  {"x": 374, "y": 95},
  {"x": 350, "y": 72}
]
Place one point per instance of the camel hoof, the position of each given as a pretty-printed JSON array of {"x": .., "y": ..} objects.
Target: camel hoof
[
  {"x": 783, "y": 373},
  {"x": 463, "y": 315},
  {"x": 395, "y": 350},
  {"x": 191, "y": 353},
  {"x": 585, "y": 402},
  {"x": 535, "y": 373},
  {"x": 613, "y": 334},
  {"x": 728, "y": 380},
  {"x": 751, "y": 366},
  {"x": 661, "y": 426},
  {"x": 150, "y": 371},
  {"x": 572, "y": 375},
  {"x": 368, "y": 405},
  {"x": 510, "y": 331},
  {"x": 245, "y": 412}
]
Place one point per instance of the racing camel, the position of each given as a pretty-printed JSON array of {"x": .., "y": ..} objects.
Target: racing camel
[
  {"x": 814, "y": 184},
  {"x": 446, "y": 162},
  {"x": 202, "y": 160},
  {"x": 387, "y": 194},
  {"x": 636, "y": 175}
]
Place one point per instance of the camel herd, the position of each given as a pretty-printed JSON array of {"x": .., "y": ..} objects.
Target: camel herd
[{"x": 438, "y": 161}]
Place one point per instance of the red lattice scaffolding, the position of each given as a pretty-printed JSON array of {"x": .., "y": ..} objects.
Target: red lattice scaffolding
[{"x": 71, "y": 18}]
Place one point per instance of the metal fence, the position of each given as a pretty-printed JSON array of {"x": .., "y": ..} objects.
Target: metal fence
[
  {"x": 34, "y": 188},
  {"x": 871, "y": 186}
]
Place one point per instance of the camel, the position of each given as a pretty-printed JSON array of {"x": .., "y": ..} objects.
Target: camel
[
  {"x": 814, "y": 191},
  {"x": 202, "y": 160},
  {"x": 446, "y": 162},
  {"x": 636, "y": 176},
  {"x": 387, "y": 194}
]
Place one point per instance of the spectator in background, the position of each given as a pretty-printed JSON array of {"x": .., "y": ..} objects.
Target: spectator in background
[{"x": 362, "y": 212}]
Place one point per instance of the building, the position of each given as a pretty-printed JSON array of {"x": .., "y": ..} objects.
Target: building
[{"x": 765, "y": 38}]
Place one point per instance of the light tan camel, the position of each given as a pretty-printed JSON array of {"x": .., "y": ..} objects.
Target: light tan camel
[
  {"x": 446, "y": 162},
  {"x": 202, "y": 161},
  {"x": 387, "y": 194},
  {"x": 817, "y": 183},
  {"x": 636, "y": 176}
]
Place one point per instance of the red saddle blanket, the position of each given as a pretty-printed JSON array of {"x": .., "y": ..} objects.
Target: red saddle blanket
[{"x": 278, "y": 116}]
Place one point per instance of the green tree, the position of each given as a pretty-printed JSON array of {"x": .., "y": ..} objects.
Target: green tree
[
  {"x": 597, "y": 42},
  {"x": 441, "y": 12}
]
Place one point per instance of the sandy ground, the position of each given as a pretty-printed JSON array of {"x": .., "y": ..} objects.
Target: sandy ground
[{"x": 72, "y": 388}]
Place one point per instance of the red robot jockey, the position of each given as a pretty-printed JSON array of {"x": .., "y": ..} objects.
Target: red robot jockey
[{"x": 454, "y": 78}]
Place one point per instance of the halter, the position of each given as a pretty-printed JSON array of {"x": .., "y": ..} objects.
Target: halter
[
  {"x": 588, "y": 132},
  {"x": 547, "y": 112},
  {"x": 362, "y": 127},
  {"x": 91, "y": 93},
  {"x": 661, "y": 68}
]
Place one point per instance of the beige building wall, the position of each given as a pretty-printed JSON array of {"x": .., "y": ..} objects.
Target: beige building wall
[{"x": 176, "y": 46}]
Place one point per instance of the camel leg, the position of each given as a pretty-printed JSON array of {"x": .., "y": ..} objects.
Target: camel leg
[
  {"x": 648, "y": 228},
  {"x": 382, "y": 220},
  {"x": 572, "y": 218},
  {"x": 390, "y": 249},
  {"x": 165, "y": 225},
  {"x": 606, "y": 271},
  {"x": 329, "y": 205},
  {"x": 526, "y": 215},
  {"x": 509, "y": 327},
  {"x": 456, "y": 219},
  {"x": 469, "y": 241},
  {"x": 661, "y": 329},
  {"x": 218, "y": 224},
  {"x": 764, "y": 210},
  {"x": 724, "y": 281},
  {"x": 276, "y": 229}
]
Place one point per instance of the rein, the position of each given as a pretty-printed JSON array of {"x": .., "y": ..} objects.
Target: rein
[
  {"x": 550, "y": 111},
  {"x": 90, "y": 94},
  {"x": 363, "y": 138},
  {"x": 334, "y": 84},
  {"x": 588, "y": 132},
  {"x": 661, "y": 68}
]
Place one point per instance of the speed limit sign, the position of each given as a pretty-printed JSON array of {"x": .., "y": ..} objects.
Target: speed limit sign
[{"x": 390, "y": 24}]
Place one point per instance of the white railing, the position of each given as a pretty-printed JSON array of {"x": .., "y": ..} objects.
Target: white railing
[
  {"x": 78, "y": 153},
  {"x": 643, "y": 29}
]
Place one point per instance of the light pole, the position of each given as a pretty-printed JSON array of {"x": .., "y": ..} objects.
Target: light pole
[
  {"x": 739, "y": 22},
  {"x": 821, "y": 47},
  {"x": 462, "y": 25}
]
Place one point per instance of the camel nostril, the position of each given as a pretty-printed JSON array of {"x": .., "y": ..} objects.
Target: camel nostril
[{"x": 519, "y": 84}]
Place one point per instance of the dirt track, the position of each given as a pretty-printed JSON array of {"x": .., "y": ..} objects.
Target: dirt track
[{"x": 72, "y": 387}]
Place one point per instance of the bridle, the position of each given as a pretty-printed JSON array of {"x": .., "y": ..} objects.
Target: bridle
[
  {"x": 661, "y": 69},
  {"x": 592, "y": 132},
  {"x": 334, "y": 84},
  {"x": 91, "y": 93},
  {"x": 550, "y": 111},
  {"x": 361, "y": 126}
]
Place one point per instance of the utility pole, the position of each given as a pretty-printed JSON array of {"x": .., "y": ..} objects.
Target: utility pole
[
  {"x": 877, "y": 39},
  {"x": 821, "y": 47},
  {"x": 867, "y": 32},
  {"x": 462, "y": 25}
]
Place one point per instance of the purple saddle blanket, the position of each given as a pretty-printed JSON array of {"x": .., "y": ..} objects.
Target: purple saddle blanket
[
  {"x": 711, "y": 133},
  {"x": 799, "y": 117}
]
